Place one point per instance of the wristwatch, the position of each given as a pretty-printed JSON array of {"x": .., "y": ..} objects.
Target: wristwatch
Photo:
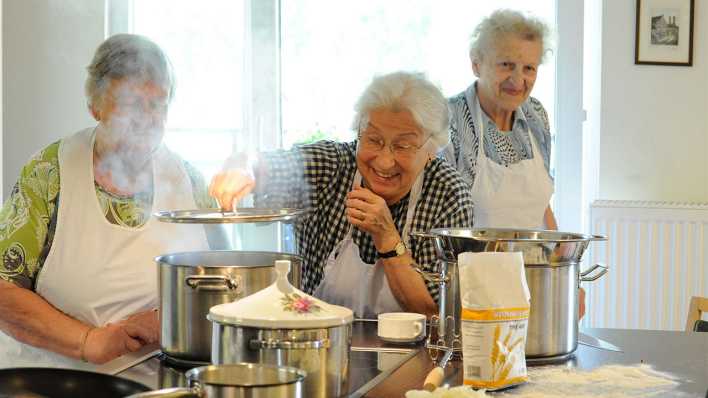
[{"x": 398, "y": 250}]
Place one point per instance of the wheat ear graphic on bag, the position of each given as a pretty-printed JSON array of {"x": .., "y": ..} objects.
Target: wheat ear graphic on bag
[{"x": 501, "y": 353}]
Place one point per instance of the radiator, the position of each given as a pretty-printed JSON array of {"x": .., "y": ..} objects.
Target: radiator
[{"x": 658, "y": 258}]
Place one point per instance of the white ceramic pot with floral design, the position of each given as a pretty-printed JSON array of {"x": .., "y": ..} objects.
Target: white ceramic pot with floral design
[{"x": 281, "y": 325}]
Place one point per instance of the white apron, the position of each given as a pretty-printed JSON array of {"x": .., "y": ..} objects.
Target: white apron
[
  {"x": 98, "y": 272},
  {"x": 350, "y": 282},
  {"x": 509, "y": 197}
]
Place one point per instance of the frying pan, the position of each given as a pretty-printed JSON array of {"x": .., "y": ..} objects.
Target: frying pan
[{"x": 61, "y": 383}]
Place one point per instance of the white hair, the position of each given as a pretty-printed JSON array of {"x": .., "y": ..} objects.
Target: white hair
[
  {"x": 409, "y": 91},
  {"x": 503, "y": 22},
  {"x": 127, "y": 56}
]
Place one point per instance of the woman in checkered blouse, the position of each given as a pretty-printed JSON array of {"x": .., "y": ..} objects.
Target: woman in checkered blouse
[{"x": 365, "y": 198}]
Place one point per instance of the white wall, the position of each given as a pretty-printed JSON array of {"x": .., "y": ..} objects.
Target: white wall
[
  {"x": 46, "y": 47},
  {"x": 654, "y": 119},
  {"x": 569, "y": 116},
  {"x": 592, "y": 103}
]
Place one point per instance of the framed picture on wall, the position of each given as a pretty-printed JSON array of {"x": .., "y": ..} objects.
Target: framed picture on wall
[{"x": 664, "y": 32}]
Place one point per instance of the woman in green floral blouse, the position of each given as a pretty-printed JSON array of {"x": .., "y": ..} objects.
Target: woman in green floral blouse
[{"x": 77, "y": 278}]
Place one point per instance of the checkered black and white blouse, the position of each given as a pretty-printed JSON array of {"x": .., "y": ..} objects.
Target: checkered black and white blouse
[{"x": 319, "y": 176}]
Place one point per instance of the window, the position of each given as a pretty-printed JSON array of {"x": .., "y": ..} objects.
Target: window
[
  {"x": 331, "y": 50},
  {"x": 205, "y": 45},
  {"x": 262, "y": 74},
  {"x": 328, "y": 53}
]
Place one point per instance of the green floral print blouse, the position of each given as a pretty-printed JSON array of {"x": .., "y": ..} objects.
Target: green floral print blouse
[{"x": 28, "y": 217}]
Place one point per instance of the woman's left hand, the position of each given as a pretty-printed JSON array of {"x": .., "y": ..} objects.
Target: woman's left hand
[
  {"x": 369, "y": 212},
  {"x": 149, "y": 321}
]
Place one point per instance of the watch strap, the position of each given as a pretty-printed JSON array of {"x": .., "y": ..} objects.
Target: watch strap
[{"x": 398, "y": 250}]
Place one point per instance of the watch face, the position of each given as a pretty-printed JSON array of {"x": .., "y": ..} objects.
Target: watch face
[{"x": 400, "y": 249}]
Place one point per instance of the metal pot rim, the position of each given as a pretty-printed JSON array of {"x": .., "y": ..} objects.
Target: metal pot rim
[
  {"x": 474, "y": 233},
  {"x": 241, "y": 215},
  {"x": 163, "y": 258},
  {"x": 193, "y": 374}
]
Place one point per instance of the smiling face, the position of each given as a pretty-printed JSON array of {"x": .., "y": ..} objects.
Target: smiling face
[
  {"x": 392, "y": 152},
  {"x": 134, "y": 115},
  {"x": 507, "y": 73}
]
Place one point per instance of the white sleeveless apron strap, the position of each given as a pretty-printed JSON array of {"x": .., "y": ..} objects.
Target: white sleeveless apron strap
[
  {"x": 345, "y": 269},
  {"x": 98, "y": 272},
  {"x": 514, "y": 196}
]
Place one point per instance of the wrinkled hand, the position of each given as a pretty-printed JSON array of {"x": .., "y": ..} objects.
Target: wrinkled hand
[
  {"x": 369, "y": 212},
  {"x": 235, "y": 181},
  {"x": 115, "y": 339},
  {"x": 148, "y": 321}
]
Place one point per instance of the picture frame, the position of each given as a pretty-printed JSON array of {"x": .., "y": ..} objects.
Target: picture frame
[{"x": 664, "y": 32}]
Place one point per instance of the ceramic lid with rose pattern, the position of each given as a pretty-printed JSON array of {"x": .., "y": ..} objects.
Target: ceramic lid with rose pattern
[{"x": 281, "y": 306}]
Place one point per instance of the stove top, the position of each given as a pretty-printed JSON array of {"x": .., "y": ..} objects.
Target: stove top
[
  {"x": 370, "y": 362},
  {"x": 366, "y": 369}
]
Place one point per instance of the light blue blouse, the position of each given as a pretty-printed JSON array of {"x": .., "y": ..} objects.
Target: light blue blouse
[{"x": 503, "y": 148}]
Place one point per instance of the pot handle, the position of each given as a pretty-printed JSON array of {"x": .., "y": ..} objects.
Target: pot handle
[
  {"x": 178, "y": 392},
  {"x": 423, "y": 235},
  {"x": 210, "y": 282},
  {"x": 443, "y": 254},
  {"x": 584, "y": 274},
  {"x": 289, "y": 345},
  {"x": 433, "y": 277}
]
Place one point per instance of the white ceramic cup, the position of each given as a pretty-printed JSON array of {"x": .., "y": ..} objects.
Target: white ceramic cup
[{"x": 401, "y": 325}]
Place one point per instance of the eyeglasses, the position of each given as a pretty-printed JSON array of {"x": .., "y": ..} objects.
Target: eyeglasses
[{"x": 400, "y": 148}]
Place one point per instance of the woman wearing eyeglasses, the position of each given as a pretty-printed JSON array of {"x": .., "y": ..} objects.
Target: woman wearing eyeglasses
[{"x": 365, "y": 197}]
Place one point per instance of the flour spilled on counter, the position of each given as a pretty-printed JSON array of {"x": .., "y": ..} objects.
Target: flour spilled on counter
[
  {"x": 444, "y": 392},
  {"x": 611, "y": 381}
]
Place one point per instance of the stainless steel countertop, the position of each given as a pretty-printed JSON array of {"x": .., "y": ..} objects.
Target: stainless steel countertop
[{"x": 685, "y": 355}]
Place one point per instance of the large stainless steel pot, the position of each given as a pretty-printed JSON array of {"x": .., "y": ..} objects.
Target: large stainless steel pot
[
  {"x": 322, "y": 353},
  {"x": 244, "y": 380},
  {"x": 191, "y": 283},
  {"x": 551, "y": 263}
]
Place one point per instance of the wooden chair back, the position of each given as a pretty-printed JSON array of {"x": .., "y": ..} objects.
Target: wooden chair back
[{"x": 697, "y": 306}]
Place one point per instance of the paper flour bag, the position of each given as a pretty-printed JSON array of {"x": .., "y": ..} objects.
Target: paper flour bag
[{"x": 495, "y": 315}]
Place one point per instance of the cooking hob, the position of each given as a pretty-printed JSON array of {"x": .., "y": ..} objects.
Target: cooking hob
[
  {"x": 370, "y": 361},
  {"x": 366, "y": 369}
]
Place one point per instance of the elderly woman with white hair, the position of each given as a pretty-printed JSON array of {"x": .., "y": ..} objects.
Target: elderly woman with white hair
[
  {"x": 500, "y": 136},
  {"x": 77, "y": 278},
  {"x": 366, "y": 197}
]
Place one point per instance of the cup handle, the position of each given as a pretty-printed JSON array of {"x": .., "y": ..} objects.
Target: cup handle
[{"x": 418, "y": 328}]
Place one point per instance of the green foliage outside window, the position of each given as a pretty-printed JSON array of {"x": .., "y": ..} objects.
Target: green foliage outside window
[{"x": 317, "y": 135}]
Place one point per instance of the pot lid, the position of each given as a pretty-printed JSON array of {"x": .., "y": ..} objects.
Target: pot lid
[
  {"x": 281, "y": 306},
  {"x": 240, "y": 215}
]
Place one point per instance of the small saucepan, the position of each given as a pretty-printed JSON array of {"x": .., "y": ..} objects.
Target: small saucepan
[{"x": 242, "y": 380}]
